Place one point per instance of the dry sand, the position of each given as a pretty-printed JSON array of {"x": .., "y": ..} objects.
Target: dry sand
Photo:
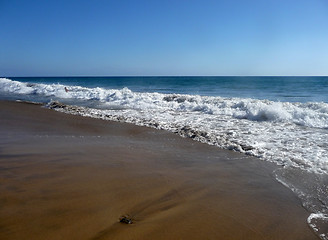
[{"x": 69, "y": 177}]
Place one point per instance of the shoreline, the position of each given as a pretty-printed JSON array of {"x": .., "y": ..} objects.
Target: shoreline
[{"x": 71, "y": 177}]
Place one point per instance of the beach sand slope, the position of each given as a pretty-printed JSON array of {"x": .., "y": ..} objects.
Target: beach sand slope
[{"x": 72, "y": 177}]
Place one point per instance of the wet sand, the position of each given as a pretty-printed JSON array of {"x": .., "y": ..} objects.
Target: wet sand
[{"x": 69, "y": 177}]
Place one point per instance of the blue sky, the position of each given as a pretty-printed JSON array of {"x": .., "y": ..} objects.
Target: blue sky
[{"x": 172, "y": 37}]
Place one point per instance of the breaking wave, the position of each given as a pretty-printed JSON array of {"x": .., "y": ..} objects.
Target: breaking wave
[
  {"x": 306, "y": 114},
  {"x": 281, "y": 132}
]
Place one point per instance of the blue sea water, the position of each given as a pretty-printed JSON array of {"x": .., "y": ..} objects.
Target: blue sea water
[
  {"x": 283, "y": 120},
  {"x": 286, "y": 89}
]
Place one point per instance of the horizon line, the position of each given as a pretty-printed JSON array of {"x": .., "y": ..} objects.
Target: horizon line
[{"x": 52, "y": 76}]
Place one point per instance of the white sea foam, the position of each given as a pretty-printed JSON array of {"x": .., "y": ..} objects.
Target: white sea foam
[
  {"x": 283, "y": 132},
  {"x": 316, "y": 219}
]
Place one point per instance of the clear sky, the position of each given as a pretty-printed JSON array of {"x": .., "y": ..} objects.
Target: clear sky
[{"x": 167, "y": 37}]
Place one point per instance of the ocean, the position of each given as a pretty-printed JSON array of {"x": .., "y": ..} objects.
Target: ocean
[{"x": 283, "y": 120}]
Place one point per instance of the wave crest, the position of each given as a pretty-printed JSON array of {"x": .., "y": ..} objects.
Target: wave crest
[{"x": 305, "y": 114}]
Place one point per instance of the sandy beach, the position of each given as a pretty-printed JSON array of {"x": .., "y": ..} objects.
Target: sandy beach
[{"x": 72, "y": 177}]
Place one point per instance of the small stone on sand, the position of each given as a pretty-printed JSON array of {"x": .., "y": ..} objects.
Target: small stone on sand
[{"x": 125, "y": 219}]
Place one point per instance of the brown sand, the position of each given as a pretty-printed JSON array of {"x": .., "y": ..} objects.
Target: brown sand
[{"x": 69, "y": 177}]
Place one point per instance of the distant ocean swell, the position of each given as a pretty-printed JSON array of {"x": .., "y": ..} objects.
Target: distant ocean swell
[{"x": 291, "y": 134}]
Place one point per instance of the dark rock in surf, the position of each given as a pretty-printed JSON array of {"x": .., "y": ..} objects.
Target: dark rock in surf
[
  {"x": 187, "y": 131},
  {"x": 246, "y": 148},
  {"x": 179, "y": 99},
  {"x": 56, "y": 104}
]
